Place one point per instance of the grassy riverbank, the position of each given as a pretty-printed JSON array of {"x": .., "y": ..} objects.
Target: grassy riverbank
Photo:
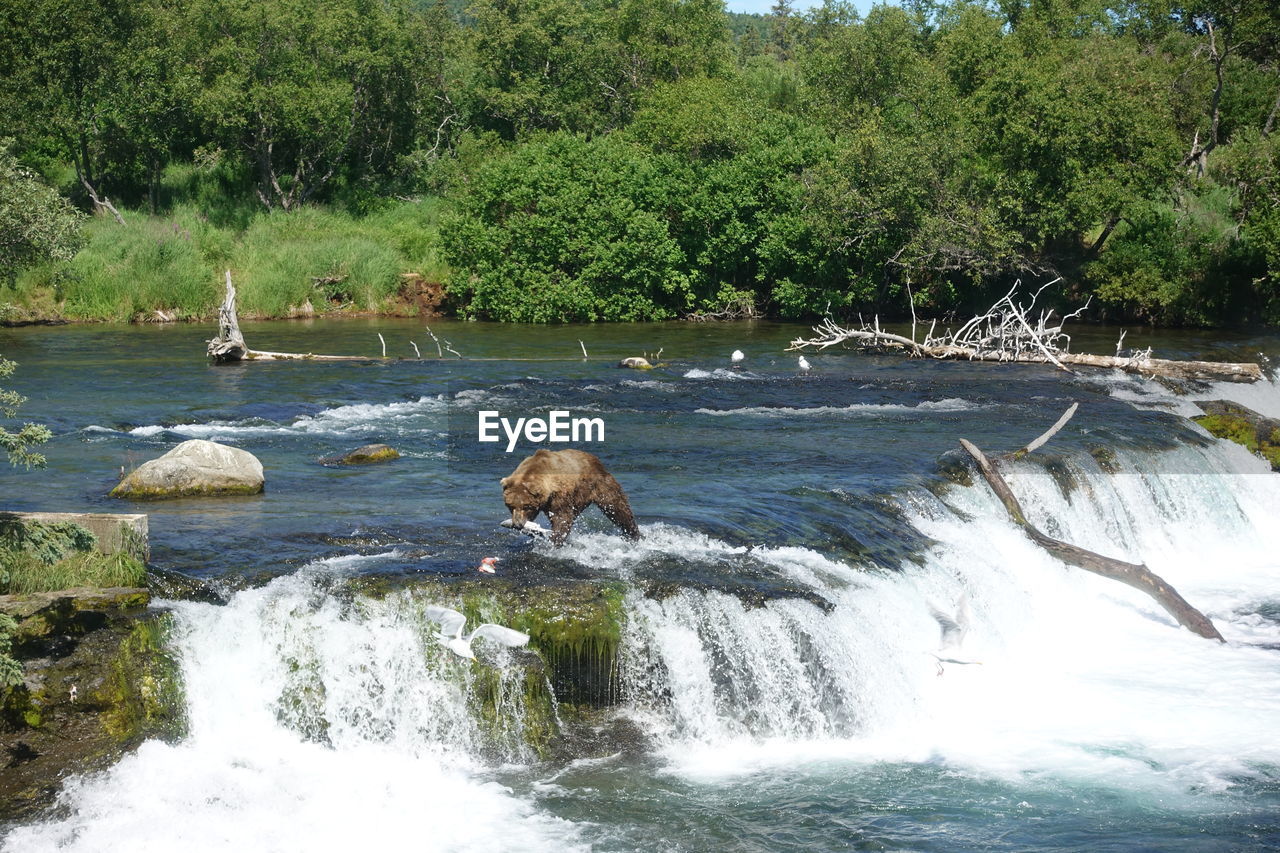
[{"x": 170, "y": 267}]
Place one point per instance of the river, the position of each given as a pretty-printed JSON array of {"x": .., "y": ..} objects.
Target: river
[{"x": 1091, "y": 722}]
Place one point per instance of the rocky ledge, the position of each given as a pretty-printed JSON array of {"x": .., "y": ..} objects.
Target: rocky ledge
[
  {"x": 97, "y": 681},
  {"x": 1234, "y": 422}
]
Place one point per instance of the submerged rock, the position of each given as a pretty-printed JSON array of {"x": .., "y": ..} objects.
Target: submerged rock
[
  {"x": 194, "y": 468},
  {"x": 366, "y": 455},
  {"x": 1244, "y": 426},
  {"x": 97, "y": 681}
]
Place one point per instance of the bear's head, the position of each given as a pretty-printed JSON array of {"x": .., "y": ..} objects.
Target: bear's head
[{"x": 522, "y": 498}]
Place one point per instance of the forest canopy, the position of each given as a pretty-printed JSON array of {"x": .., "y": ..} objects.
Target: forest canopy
[{"x": 583, "y": 160}]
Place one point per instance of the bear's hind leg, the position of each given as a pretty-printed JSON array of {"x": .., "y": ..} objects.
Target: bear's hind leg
[{"x": 617, "y": 509}]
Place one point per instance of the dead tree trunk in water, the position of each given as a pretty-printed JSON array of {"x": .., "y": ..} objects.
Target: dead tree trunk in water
[
  {"x": 229, "y": 345},
  {"x": 1135, "y": 575}
]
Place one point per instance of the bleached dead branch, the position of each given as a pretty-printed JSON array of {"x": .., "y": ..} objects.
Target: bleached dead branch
[{"x": 1006, "y": 332}]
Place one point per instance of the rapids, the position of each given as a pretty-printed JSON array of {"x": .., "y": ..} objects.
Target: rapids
[{"x": 787, "y": 689}]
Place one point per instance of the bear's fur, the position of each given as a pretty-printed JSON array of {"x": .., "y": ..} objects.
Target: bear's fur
[{"x": 561, "y": 484}]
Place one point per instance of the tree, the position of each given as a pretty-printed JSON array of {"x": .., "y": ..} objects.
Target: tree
[
  {"x": 36, "y": 224},
  {"x": 564, "y": 228},
  {"x": 1228, "y": 28},
  {"x": 59, "y": 74},
  {"x": 580, "y": 66},
  {"x": 307, "y": 91}
]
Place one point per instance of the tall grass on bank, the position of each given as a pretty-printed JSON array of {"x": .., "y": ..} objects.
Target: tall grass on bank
[
  {"x": 321, "y": 257},
  {"x": 44, "y": 557},
  {"x": 27, "y": 574}
]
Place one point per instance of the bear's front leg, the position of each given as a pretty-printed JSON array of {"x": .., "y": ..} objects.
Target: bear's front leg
[{"x": 561, "y": 523}]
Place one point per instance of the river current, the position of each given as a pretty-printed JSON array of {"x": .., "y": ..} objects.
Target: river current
[{"x": 787, "y": 694}]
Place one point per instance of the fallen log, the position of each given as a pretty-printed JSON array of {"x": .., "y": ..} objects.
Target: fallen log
[
  {"x": 1135, "y": 575},
  {"x": 1006, "y": 334}
]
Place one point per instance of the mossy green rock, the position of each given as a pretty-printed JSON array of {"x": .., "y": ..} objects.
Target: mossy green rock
[
  {"x": 41, "y": 616},
  {"x": 98, "y": 680},
  {"x": 1234, "y": 422},
  {"x": 195, "y": 468},
  {"x": 367, "y": 455}
]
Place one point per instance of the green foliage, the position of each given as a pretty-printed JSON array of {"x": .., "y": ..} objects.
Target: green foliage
[
  {"x": 17, "y": 445},
  {"x": 10, "y": 669},
  {"x": 43, "y": 557},
  {"x": 640, "y": 159},
  {"x": 1238, "y": 429},
  {"x": 565, "y": 228},
  {"x": 306, "y": 88},
  {"x": 574, "y": 65},
  {"x": 674, "y": 215},
  {"x": 1177, "y": 263},
  {"x": 1251, "y": 164},
  {"x": 319, "y": 256},
  {"x": 47, "y": 543},
  {"x": 36, "y": 224}
]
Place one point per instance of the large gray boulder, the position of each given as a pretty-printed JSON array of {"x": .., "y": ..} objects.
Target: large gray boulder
[{"x": 194, "y": 468}]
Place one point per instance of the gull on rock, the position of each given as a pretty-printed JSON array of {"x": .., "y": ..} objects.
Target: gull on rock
[
  {"x": 804, "y": 363},
  {"x": 737, "y": 356},
  {"x": 450, "y": 633}
]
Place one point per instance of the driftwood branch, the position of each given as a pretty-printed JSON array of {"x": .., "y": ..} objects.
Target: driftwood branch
[
  {"x": 1047, "y": 434},
  {"x": 1135, "y": 575},
  {"x": 1007, "y": 332},
  {"x": 99, "y": 202}
]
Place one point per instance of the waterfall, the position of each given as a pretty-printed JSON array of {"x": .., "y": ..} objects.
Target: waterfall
[
  {"x": 321, "y": 717},
  {"x": 318, "y": 721},
  {"x": 1077, "y": 674}
]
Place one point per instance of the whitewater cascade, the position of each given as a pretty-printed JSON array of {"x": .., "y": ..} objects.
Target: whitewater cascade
[{"x": 316, "y": 715}]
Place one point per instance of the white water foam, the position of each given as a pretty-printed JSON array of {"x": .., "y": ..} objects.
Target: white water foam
[
  {"x": 1080, "y": 677},
  {"x": 951, "y": 404},
  {"x": 314, "y": 725},
  {"x": 1262, "y": 397},
  {"x": 720, "y": 373},
  {"x": 404, "y": 417}
]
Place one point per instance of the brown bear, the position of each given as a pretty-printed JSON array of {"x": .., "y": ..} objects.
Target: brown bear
[{"x": 562, "y": 483}]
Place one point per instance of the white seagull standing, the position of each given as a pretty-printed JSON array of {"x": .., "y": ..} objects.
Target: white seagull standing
[
  {"x": 450, "y": 633},
  {"x": 804, "y": 363},
  {"x": 737, "y": 356}
]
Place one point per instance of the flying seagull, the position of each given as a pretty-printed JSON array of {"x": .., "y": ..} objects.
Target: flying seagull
[
  {"x": 804, "y": 363},
  {"x": 450, "y": 633},
  {"x": 953, "y": 630},
  {"x": 737, "y": 356}
]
